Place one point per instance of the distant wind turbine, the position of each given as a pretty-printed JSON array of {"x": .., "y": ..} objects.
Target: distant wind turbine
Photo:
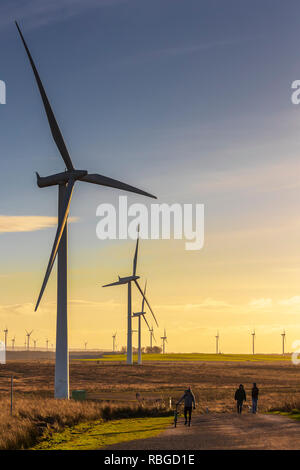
[
  {"x": 253, "y": 340},
  {"x": 114, "y": 341},
  {"x": 85, "y": 345},
  {"x": 47, "y": 342},
  {"x": 164, "y": 340},
  {"x": 28, "y": 334},
  {"x": 140, "y": 314},
  {"x": 34, "y": 343},
  {"x": 151, "y": 337},
  {"x": 5, "y": 337},
  {"x": 65, "y": 182},
  {"x": 13, "y": 342},
  {"x": 128, "y": 280},
  {"x": 283, "y": 341},
  {"x": 217, "y": 343}
]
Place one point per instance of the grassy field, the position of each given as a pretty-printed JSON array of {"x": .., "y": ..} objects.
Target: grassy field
[
  {"x": 116, "y": 385},
  {"x": 96, "y": 435},
  {"x": 195, "y": 357}
]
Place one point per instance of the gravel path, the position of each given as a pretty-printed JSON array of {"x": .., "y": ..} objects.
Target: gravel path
[{"x": 224, "y": 431}]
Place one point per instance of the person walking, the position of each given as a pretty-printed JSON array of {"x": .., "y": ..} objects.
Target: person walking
[
  {"x": 189, "y": 403},
  {"x": 240, "y": 397},
  {"x": 255, "y": 392}
]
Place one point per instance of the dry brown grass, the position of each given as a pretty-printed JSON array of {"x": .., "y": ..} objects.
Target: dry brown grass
[
  {"x": 35, "y": 418},
  {"x": 116, "y": 384}
]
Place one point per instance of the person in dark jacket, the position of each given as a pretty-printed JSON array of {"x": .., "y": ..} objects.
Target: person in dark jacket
[
  {"x": 255, "y": 392},
  {"x": 240, "y": 397},
  {"x": 189, "y": 403}
]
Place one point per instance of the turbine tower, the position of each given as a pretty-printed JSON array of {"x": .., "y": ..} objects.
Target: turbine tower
[
  {"x": 253, "y": 340},
  {"x": 283, "y": 341},
  {"x": 164, "y": 340},
  {"x": 151, "y": 336},
  {"x": 13, "y": 342},
  {"x": 5, "y": 337},
  {"x": 114, "y": 341},
  {"x": 128, "y": 280},
  {"x": 85, "y": 345},
  {"x": 217, "y": 343},
  {"x": 28, "y": 334},
  {"x": 65, "y": 182},
  {"x": 140, "y": 314},
  {"x": 34, "y": 343},
  {"x": 47, "y": 342}
]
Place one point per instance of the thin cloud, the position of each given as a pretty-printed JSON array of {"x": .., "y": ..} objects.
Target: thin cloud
[
  {"x": 292, "y": 301},
  {"x": 27, "y": 223},
  {"x": 260, "y": 303},
  {"x": 37, "y": 13}
]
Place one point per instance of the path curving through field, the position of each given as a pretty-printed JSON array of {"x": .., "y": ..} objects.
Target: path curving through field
[{"x": 224, "y": 431}]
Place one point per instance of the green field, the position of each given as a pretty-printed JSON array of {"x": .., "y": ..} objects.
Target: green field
[
  {"x": 99, "y": 434},
  {"x": 196, "y": 357}
]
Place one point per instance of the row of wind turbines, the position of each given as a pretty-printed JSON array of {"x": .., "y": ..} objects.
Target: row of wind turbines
[
  {"x": 26, "y": 342},
  {"x": 253, "y": 335}
]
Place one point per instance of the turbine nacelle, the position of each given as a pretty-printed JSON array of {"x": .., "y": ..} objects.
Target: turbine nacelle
[
  {"x": 138, "y": 314},
  {"x": 60, "y": 178}
]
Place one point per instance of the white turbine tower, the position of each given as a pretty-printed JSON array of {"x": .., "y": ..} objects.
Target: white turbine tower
[
  {"x": 253, "y": 340},
  {"x": 128, "y": 280},
  {"x": 114, "y": 341},
  {"x": 65, "y": 182},
  {"x": 5, "y": 337},
  {"x": 164, "y": 340},
  {"x": 140, "y": 314},
  {"x": 28, "y": 334},
  {"x": 151, "y": 337},
  {"x": 283, "y": 341},
  {"x": 217, "y": 343}
]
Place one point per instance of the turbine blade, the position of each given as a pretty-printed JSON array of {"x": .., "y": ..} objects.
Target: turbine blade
[
  {"x": 139, "y": 288},
  {"x": 111, "y": 183},
  {"x": 59, "y": 232},
  {"x": 153, "y": 337},
  {"x": 136, "y": 252},
  {"x": 143, "y": 301},
  {"x": 55, "y": 131},
  {"x": 118, "y": 283},
  {"x": 144, "y": 317}
]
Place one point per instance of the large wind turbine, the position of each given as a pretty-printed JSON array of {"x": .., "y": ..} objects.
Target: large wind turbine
[
  {"x": 128, "y": 280},
  {"x": 65, "y": 182},
  {"x": 140, "y": 314},
  {"x": 164, "y": 340}
]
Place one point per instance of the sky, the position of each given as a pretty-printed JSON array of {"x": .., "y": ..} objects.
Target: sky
[{"x": 189, "y": 100}]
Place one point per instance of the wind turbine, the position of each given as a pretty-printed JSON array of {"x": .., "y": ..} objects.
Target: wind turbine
[
  {"x": 85, "y": 345},
  {"x": 34, "y": 343},
  {"x": 47, "y": 342},
  {"x": 151, "y": 336},
  {"x": 114, "y": 341},
  {"x": 13, "y": 342},
  {"x": 5, "y": 337},
  {"x": 283, "y": 341},
  {"x": 65, "y": 182},
  {"x": 217, "y": 343},
  {"x": 128, "y": 280},
  {"x": 253, "y": 340},
  {"x": 164, "y": 340},
  {"x": 140, "y": 314},
  {"x": 28, "y": 338}
]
